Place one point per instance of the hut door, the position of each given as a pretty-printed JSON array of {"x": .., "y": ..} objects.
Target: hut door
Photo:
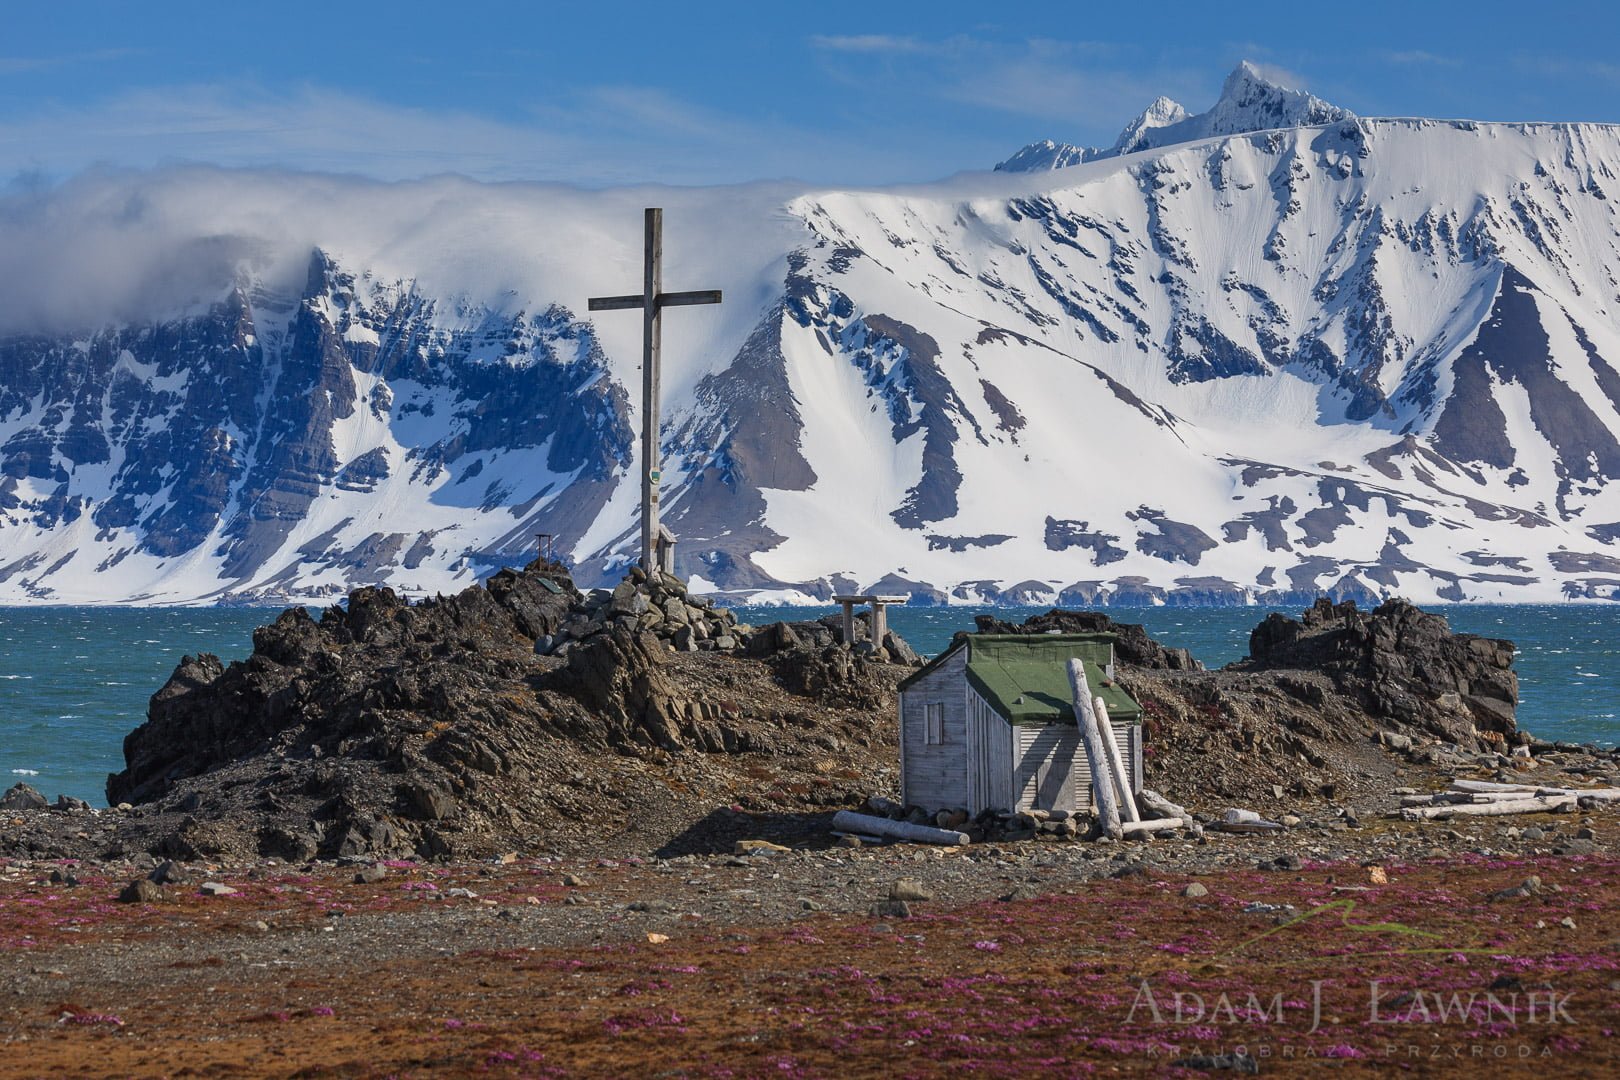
[{"x": 1046, "y": 767}]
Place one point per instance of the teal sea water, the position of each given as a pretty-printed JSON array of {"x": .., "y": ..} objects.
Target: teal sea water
[{"x": 73, "y": 681}]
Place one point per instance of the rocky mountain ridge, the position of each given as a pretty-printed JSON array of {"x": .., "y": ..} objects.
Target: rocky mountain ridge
[
  {"x": 1364, "y": 358},
  {"x": 1250, "y": 101}
]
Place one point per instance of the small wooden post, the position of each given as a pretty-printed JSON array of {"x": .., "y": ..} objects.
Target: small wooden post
[
  {"x": 880, "y": 622},
  {"x": 1096, "y": 753},
  {"x": 849, "y": 623}
]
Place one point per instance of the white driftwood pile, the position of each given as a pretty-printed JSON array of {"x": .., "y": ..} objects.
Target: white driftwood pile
[
  {"x": 1485, "y": 798},
  {"x": 1117, "y": 813}
]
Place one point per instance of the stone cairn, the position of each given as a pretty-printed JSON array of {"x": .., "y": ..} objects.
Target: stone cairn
[{"x": 660, "y": 605}]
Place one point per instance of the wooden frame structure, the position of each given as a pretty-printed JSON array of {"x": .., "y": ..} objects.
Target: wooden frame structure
[{"x": 651, "y": 301}]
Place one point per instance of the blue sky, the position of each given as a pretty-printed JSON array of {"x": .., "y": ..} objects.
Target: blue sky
[{"x": 830, "y": 92}]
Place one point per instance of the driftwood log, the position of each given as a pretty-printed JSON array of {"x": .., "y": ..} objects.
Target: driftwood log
[
  {"x": 1245, "y": 821},
  {"x": 867, "y": 825},
  {"x": 1529, "y": 805},
  {"x": 1108, "y": 820},
  {"x": 1141, "y": 828},
  {"x": 1116, "y": 763}
]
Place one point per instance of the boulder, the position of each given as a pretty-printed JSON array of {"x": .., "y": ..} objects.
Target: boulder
[
  {"x": 23, "y": 797},
  {"x": 1402, "y": 665},
  {"x": 141, "y": 891}
]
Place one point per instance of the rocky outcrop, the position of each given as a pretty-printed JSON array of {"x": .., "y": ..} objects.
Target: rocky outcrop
[
  {"x": 1401, "y": 664},
  {"x": 520, "y": 711},
  {"x": 1132, "y": 645}
]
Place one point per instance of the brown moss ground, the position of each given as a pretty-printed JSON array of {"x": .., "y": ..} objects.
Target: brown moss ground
[{"x": 1044, "y": 987}]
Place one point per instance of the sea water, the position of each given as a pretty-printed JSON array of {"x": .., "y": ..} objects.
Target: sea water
[{"x": 74, "y": 681}]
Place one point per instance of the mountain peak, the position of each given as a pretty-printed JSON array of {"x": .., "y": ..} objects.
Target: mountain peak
[
  {"x": 1252, "y": 99},
  {"x": 1161, "y": 113}
]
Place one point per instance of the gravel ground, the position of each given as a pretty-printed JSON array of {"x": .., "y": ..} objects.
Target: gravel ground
[{"x": 430, "y": 943}]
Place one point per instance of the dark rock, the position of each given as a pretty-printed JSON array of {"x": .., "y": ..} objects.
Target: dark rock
[
  {"x": 141, "y": 891},
  {"x": 370, "y": 875},
  {"x": 620, "y": 678},
  {"x": 169, "y": 872},
  {"x": 289, "y": 843},
  {"x": 910, "y": 890},
  {"x": 900, "y": 652},
  {"x": 1400, "y": 664},
  {"x": 831, "y": 674},
  {"x": 891, "y": 909},
  {"x": 23, "y": 797},
  {"x": 1132, "y": 644},
  {"x": 428, "y": 801},
  {"x": 1021, "y": 893}
]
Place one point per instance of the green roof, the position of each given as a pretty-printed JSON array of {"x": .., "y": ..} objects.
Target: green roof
[{"x": 1025, "y": 677}]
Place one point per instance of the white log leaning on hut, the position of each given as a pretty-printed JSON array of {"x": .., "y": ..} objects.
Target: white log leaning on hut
[
  {"x": 1493, "y": 809},
  {"x": 1096, "y": 753},
  {"x": 866, "y": 824},
  {"x": 1116, "y": 763}
]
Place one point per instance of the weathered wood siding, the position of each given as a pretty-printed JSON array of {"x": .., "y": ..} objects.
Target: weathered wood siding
[
  {"x": 935, "y": 776},
  {"x": 1045, "y": 773},
  {"x": 990, "y": 758},
  {"x": 1052, "y": 772}
]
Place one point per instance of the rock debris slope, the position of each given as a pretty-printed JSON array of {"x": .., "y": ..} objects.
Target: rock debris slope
[
  {"x": 516, "y": 713},
  {"x": 1268, "y": 351}
]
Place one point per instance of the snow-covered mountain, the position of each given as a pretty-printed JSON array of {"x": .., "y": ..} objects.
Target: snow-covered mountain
[
  {"x": 1363, "y": 356},
  {"x": 1249, "y": 101}
]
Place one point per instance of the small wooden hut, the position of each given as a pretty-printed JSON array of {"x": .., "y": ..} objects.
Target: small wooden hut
[{"x": 989, "y": 724}]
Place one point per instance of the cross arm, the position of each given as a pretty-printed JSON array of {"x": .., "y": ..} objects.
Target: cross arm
[
  {"x": 686, "y": 299},
  {"x": 668, "y": 299},
  {"x": 614, "y": 303}
]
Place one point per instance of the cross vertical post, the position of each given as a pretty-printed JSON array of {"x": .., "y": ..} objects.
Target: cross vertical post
[
  {"x": 651, "y": 344},
  {"x": 652, "y": 302}
]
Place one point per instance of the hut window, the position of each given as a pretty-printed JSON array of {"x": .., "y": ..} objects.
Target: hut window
[{"x": 934, "y": 723}]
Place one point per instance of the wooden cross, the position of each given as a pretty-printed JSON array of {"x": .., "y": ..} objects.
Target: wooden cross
[{"x": 652, "y": 300}]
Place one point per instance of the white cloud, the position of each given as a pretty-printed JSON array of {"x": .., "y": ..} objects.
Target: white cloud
[
  {"x": 1419, "y": 58},
  {"x": 605, "y": 136},
  {"x": 1090, "y": 87},
  {"x": 872, "y": 43},
  {"x": 113, "y": 245},
  {"x": 28, "y": 65}
]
